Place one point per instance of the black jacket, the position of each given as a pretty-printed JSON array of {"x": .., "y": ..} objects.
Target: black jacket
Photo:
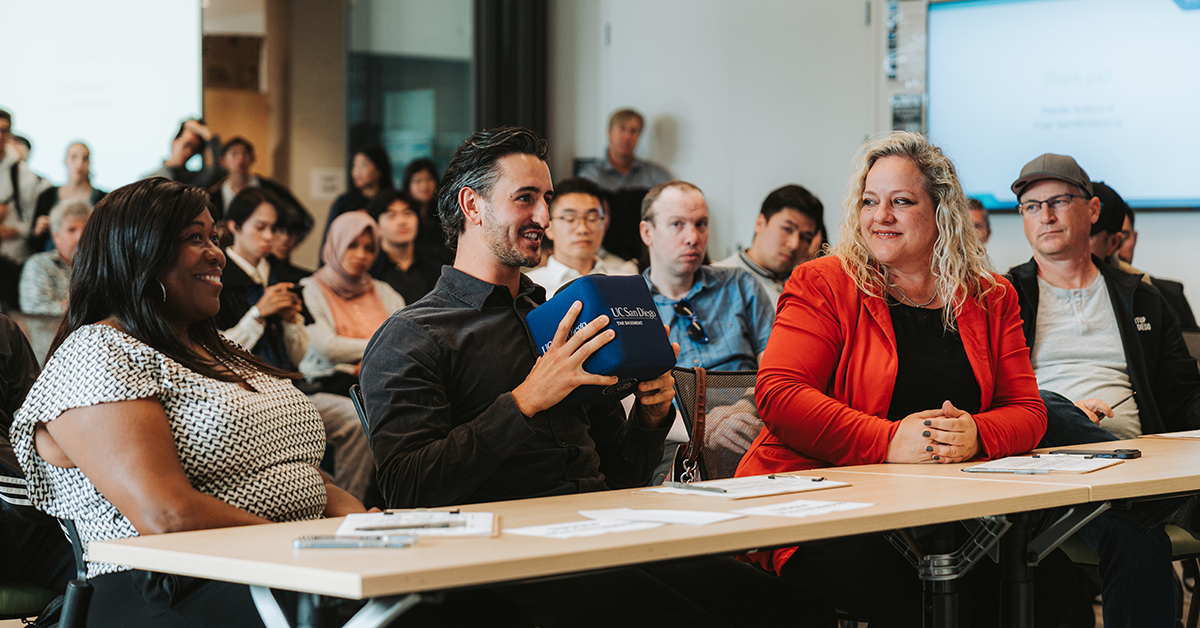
[{"x": 1161, "y": 370}]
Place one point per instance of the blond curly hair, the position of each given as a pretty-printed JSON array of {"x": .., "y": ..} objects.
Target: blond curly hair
[{"x": 961, "y": 267}]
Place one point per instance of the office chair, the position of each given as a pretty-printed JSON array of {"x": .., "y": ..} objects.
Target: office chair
[
  {"x": 722, "y": 420},
  {"x": 22, "y": 600}
]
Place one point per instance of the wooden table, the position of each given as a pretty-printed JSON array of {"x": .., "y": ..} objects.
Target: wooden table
[
  {"x": 1167, "y": 466},
  {"x": 903, "y": 496},
  {"x": 262, "y": 555}
]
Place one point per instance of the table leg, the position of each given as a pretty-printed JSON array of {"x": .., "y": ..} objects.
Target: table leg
[
  {"x": 377, "y": 613},
  {"x": 939, "y": 570},
  {"x": 1016, "y": 576}
]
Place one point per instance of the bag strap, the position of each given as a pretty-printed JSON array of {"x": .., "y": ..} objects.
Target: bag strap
[{"x": 696, "y": 444}]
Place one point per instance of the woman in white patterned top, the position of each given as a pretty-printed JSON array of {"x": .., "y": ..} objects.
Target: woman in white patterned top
[{"x": 146, "y": 420}]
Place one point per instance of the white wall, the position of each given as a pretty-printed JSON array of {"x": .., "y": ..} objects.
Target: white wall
[{"x": 739, "y": 97}]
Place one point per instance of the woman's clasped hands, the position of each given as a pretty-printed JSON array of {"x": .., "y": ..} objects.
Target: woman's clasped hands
[{"x": 944, "y": 435}]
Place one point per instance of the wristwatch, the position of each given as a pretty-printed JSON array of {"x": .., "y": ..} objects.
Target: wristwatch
[{"x": 255, "y": 313}]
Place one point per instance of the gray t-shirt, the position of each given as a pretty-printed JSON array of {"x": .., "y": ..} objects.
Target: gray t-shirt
[{"x": 1077, "y": 352}]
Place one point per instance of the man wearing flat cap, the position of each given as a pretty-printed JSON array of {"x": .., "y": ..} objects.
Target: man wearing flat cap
[{"x": 1097, "y": 336}]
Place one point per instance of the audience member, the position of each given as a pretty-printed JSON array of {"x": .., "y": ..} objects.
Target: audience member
[
  {"x": 237, "y": 159},
  {"x": 577, "y": 224},
  {"x": 370, "y": 172},
  {"x": 79, "y": 185},
  {"x": 449, "y": 427},
  {"x": 787, "y": 232},
  {"x": 1098, "y": 335},
  {"x": 46, "y": 277},
  {"x": 191, "y": 140},
  {"x": 19, "y": 190},
  {"x": 834, "y": 389},
  {"x": 258, "y": 310},
  {"x": 980, "y": 219},
  {"x": 421, "y": 182},
  {"x": 625, "y": 179},
  {"x": 402, "y": 263},
  {"x": 146, "y": 421},
  {"x": 620, "y": 169},
  {"x": 721, "y": 317},
  {"x": 32, "y": 546},
  {"x": 1129, "y": 238},
  {"x": 291, "y": 228},
  {"x": 347, "y": 305},
  {"x": 264, "y": 313},
  {"x": 1108, "y": 236}
]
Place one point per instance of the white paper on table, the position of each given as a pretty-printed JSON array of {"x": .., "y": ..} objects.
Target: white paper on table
[
  {"x": 1044, "y": 464},
  {"x": 686, "y": 517},
  {"x": 591, "y": 527},
  {"x": 1190, "y": 434},
  {"x": 753, "y": 486},
  {"x": 801, "y": 508},
  {"x": 418, "y": 522}
]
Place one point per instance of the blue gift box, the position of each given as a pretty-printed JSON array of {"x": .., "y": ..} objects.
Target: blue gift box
[{"x": 641, "y": 350}]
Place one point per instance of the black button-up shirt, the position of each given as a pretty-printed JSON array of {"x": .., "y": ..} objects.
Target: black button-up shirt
[{"x": 437, "y": 381}]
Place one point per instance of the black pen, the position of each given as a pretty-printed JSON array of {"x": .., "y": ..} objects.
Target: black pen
[{"x": 1100, "y": 415}]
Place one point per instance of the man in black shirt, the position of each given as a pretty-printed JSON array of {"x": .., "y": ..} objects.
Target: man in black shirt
[
  {"x": 402, "y": 262},
  {"x": 463, "y": 410}
]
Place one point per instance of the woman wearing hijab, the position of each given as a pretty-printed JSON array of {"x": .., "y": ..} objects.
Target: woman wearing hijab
[{"x": 346, "y": 304}]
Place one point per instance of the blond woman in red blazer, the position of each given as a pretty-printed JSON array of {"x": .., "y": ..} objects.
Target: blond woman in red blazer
[{"x": 871, "y": 360}]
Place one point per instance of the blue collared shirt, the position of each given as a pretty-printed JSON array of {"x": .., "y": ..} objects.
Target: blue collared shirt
[
  {"x": 735, "y": 311},
  {"x": 642, "y": 174}
]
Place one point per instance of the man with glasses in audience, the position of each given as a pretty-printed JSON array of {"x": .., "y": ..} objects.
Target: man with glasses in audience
[
  {"x": 1097, "y": 335},
  {"x": 721, "y": 317},
  {"x": 787, "y": 233},
  {"x": 577, "y": 226}
]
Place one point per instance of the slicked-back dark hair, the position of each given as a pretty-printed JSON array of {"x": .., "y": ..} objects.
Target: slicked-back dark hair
[
  {"x": 131, "y": 239},
  {"x": 476, "y": 165}
]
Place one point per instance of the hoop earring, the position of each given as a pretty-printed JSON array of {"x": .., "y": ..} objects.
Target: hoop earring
[{"x": 164, "y": 291}]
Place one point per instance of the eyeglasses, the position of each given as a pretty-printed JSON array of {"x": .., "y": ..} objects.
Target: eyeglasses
[
  {"x": 571, "y": 219},
  {"x": 1057, "y": 203},
  {"x": 695, "y": 330}
]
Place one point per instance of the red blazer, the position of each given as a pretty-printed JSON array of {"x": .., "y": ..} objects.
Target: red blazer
[{"x": 826, "y": 378}]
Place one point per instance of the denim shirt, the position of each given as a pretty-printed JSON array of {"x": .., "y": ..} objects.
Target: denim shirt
[{"x": 735, "y": 311}]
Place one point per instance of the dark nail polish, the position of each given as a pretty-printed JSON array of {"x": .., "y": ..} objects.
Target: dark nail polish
[
  {"x": 929, "y": 448},
  {"x": 928, "y": 423},
  {"x": 925, "y": 433},
  {"x": 935, "y": 458}
]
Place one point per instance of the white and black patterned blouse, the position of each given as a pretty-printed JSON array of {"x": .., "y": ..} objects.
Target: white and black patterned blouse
[{"x": 257, "y": 450}]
